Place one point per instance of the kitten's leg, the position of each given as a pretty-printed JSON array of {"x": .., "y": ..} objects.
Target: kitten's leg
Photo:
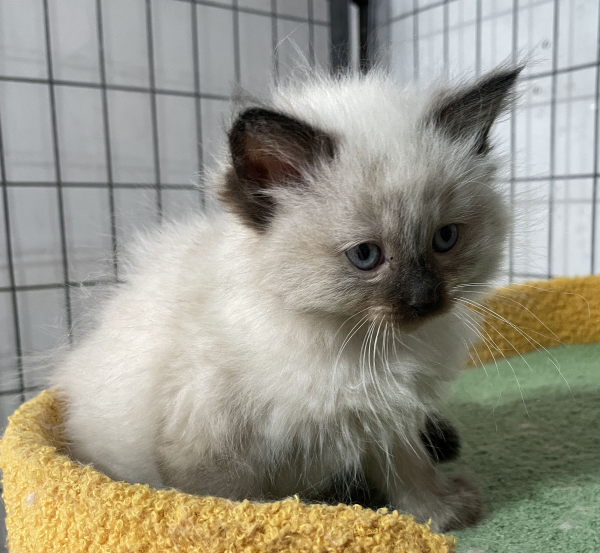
[
  {"x": 192, "y": 468},
  {"x": 221, "y": 477},
  {"x": 412, "y": 484},
  {"x": 441, "y": 439},
  {"x": 442, "y": 442},
  {"x": 353, "y": 488}
]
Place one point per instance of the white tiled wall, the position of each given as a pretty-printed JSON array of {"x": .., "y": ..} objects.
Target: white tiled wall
[
  {"x": 554, "y": 130},
  {"x": 101, "y": 143}
]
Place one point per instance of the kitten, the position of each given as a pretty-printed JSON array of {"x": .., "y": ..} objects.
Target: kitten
[{"x": 296, "y": 340}]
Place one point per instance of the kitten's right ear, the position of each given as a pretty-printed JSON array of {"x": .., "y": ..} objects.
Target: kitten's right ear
[
  {"x": 269, "y": 149},
  {"x": 468, "y": 112}
]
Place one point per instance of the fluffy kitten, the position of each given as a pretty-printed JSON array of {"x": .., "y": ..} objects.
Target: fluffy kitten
[{"x": 302, "y": 335}]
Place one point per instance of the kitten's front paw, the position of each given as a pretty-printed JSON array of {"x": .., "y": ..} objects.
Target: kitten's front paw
[
  {"x": 441, "y": 440},
  {"x": 464, "y": 505}
]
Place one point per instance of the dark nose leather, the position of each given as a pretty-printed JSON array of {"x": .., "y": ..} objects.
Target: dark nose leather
[
  {"x": 423, "y": 298},
  {"x": 419, "y": 293},
  {"x": 425, "y": 308}
]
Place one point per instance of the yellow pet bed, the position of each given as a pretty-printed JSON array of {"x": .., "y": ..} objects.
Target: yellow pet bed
[
  {"x": 55, "y": 504},
  {"x": 536, "y": 315}
]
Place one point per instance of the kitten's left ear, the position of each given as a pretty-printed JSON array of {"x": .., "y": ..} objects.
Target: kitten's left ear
[
  {"x": 268, "y": 150},
  {"x": 468, "y": 113}
]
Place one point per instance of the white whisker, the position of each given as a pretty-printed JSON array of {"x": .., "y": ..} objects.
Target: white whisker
[{"x": 511, "y": 366}]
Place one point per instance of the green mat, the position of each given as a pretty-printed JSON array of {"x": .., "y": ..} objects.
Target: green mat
[{"x": 534, "y": 451}]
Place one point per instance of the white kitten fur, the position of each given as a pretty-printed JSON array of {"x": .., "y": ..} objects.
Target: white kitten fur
[{"x": 226, "y": 364}]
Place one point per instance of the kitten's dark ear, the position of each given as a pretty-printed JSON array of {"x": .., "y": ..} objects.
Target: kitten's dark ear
[
  {"x": 468, "y": 113},
  {"x": 269, "y": 149}
]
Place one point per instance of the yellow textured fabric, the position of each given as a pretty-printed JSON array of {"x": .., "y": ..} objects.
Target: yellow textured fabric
[
  {"x": 56, "y": 505},
  {"x": 523, "y": 317}
]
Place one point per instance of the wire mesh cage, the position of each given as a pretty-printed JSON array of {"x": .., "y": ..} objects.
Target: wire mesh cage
[
  {"x": 551, "y": 140},
  {"x": 109, "y": 110}
]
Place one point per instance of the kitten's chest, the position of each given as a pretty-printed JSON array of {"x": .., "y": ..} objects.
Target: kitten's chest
[
  {"x": 321, "y": 405},
  {"x": 326, "y": 385},
  {"x": 303, "y": 453}
]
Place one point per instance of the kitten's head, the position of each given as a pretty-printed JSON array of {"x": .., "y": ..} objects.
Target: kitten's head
[{"x": 364, "y": 198}]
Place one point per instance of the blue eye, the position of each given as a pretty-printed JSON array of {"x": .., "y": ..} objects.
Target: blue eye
[
  {"x": 445, "y": 238},
  {"x": 365, "y": 256}
]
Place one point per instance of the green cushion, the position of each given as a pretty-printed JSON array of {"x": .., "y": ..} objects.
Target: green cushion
[{"x": 534, "y": 449}]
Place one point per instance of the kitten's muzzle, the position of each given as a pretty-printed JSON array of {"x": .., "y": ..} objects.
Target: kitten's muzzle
[
  {"x": 423, "y": 303},
  {"x": 420, "y": 296}
]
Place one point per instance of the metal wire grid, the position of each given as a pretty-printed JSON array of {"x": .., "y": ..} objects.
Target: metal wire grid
[
  {"x": 402, "y": 20},
  {"x": 59, "y": 184}
]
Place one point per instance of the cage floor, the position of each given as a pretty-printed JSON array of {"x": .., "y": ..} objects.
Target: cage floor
[{"x": 531, "y": 438}]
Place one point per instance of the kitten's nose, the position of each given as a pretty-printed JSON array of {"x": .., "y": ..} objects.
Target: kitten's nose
[
  {"x": 424, "y": 298},
  {"x": 424, "y": 308},
  {"x": 421, "y": 294}
]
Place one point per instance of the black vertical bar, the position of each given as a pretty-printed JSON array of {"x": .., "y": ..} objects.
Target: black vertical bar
[
  {"x": 339, "y": 17},
  {"x": 552, "y": 136},
  {"x": 596, "y": 156},
  {"x": 57, "y": 169},
  {"x": 196, "y": 59},
  {"x": 364, "y": 34},
  {"x": 11, "y": 271},
  {"x": 513, "y": 143},
  {"x": 153, "y": 114},
  {"x": 107, "y": 144}
]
